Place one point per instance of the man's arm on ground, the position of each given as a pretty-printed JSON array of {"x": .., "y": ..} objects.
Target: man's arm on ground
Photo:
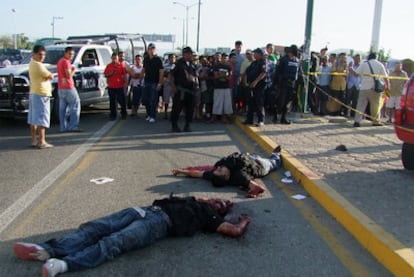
[
  {"x": 234, "y": 230},
  {"x": 190, "y": 173}
]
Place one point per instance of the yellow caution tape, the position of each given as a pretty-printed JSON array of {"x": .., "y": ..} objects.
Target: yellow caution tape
[{"x": 367, "y": 75}]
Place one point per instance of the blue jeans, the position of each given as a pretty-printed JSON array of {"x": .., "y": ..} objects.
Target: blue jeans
[
  {"x": 272, "y": 163},
  {"x": 136, "y": 96},
  {"x": 150, "y": 99},
  {"x": 69, "y": 109},
  {"x": 102, "y": 239}
]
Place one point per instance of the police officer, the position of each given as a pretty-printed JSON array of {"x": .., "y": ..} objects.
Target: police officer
[
  {"x": 184, "y": 83},
  {"x": 255, "y": 75},
  {"x": 286, "y": 76}
]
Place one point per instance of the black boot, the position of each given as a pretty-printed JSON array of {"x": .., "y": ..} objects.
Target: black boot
[
  {"x": 187, "y": 128},
  {"x": 175, "y": 128}
]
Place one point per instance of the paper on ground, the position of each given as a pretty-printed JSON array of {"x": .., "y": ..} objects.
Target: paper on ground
[
  {"x": 298, "y": 196},
  {"x": 102, "y": 180}
]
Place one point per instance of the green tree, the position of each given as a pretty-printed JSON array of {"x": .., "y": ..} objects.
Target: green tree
[{"x": 6, "y": 42}]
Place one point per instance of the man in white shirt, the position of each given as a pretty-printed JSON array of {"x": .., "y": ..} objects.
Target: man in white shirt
[{"x": 367, "y": 93}]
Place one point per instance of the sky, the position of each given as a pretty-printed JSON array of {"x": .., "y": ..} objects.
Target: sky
[{"x": 345, "y": 24}]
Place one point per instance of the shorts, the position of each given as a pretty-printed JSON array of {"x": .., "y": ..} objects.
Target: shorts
[
  {"x": 393, "y": 102},
  {"x": 222, "y": 101},
  {"x": 39, "y": 110}
]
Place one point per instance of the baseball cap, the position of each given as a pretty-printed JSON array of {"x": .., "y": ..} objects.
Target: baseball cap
[
  {"x": 187, "y": 50},
  {"x": 259, "y": 51},
  {"x": 151, "y": 45}
]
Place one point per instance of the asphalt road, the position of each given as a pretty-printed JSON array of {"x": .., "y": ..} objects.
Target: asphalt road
[{"x": 46, "y": 193}]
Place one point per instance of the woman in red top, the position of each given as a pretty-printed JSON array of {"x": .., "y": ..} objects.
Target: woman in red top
[{"x": 115, "y": 73}]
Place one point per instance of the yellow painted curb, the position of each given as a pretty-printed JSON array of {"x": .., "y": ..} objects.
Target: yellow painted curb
[{"x": 390, "y": 252}]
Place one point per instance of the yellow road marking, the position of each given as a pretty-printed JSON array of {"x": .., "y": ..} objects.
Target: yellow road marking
[
  {"x": 21, "y": 229},
  {"x": 343, "y": 254}
]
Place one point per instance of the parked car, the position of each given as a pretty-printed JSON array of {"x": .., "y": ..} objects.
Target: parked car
[
  {"x": 404, "y": 124},
  {"x": 92, "y": 54}
]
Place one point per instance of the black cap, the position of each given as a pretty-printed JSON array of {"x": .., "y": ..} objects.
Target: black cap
[
  {"x": 187, "y": 50},
  {"x": 151, "y": 45},
  {"x": 259, "y": 51}
]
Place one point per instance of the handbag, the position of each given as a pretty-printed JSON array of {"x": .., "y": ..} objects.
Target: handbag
[{"x": 378, "y": 85}]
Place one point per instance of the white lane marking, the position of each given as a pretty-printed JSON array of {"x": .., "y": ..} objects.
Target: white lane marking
[{"x": 21, "y": 204}]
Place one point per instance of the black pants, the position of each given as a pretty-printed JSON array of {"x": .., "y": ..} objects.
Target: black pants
[
  {"x": 117, "y": 95},
  {"x": 182, "y": 100},
  {"x": 286, "y": 95},
  {"x": 256, "y": 104}
]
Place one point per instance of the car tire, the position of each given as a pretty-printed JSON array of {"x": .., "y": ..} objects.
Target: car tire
[{"x": 407, "y": 155}]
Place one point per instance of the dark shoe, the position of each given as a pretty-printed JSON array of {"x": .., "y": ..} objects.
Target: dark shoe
[
  {"x": 377, "y": 124},
  {"x": 284, "y": 121},
  {"x": 274, "y": 120},
  {"x": 187, "y": 128},
  {"x": 277, "y": 149},
  {"x": 112, "y": 118},
  {"x": 176, "y": 129},
  {"x": 356, "y": 124},
  {"x": 77, "y": 130},
  {"x": 123, "y": 117},
  {"x": 248, "y": 122}
]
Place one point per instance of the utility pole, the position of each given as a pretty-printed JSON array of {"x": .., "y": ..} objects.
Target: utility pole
[
  {"x": 306, "y": 52},
  {"x": 376, "y": 26},
  {"x": 198, "y": 26},
  {"x": 53, "y": 24}
]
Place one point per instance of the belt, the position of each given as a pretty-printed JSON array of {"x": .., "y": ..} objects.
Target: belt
[{"x": 157, "y": 209}]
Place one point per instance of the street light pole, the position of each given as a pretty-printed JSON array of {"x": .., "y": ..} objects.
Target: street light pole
[
  {"x": 198, "y": 26},
  {"x": 178, "y": 18},
  {"x": 53, "y": 24},
  {"x": 187, "y": 8},
  {"x": 15, "y": 32}
]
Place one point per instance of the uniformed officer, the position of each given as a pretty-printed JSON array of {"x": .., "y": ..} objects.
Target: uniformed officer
[
  {"x": 286, "y": 76},
  {"x": 255, "y": 75},
  {"x": 184, "y": 83}
]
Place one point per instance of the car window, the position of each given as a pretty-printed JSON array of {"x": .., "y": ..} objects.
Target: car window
[{"x": 106, "y": 55}]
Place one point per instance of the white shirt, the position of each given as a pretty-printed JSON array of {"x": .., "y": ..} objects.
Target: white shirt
[{"x": 367, "y": 82}]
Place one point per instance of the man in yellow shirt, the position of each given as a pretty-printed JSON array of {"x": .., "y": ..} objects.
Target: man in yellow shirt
[{"x": 39, "y": 100}]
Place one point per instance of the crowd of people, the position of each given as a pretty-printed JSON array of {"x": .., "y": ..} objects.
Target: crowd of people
[{"x": 257, "y": 83}]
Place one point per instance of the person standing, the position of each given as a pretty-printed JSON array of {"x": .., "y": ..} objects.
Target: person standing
[
  {"x": 154, "y": 75},
  {"x": 353, "y": 85},
  {"x": 137, "y": 84},
  {"x": 184, "y": 83},
  {"x": 69, "y": 102},
  {"x": 39, "y": 99},
  {"x": 222, "y": 99},
  {"x": 367, "y": 94},
  {"x": 323, "y": 90},
  {"x": 396, "y": 90},
  {"x": 338, "y": 83},
  {"x": 255, "y": 76},
  {"x": 287, "y": 75},
  {"x": 115, "y": 72},
  {"x": 166, "y": 92},
  {"x": 242, "y": 81}
]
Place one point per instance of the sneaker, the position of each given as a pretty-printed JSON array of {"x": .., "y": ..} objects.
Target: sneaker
[
  {"x": 53, "y": 267},
  {"x": 45, "y": 145},
  {"x": 356, "y": 124},
  {"x": 260, "y": 124},
  {"x": 151, "y": 120},
  {"x": 277, "y": 149},
  {"x": 147, "y": 118},
  {"x": 30, "y": 251}
]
